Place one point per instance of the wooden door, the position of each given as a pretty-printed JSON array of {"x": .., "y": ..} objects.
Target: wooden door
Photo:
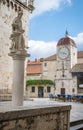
[{"x": 62, "y": 90}]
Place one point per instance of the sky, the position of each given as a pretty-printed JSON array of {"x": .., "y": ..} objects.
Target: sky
[{"x": 48, "y": 24}]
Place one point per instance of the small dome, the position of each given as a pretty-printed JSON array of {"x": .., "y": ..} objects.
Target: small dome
[{"x": 66, "y": 41}]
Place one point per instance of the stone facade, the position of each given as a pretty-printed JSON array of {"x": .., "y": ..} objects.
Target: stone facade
[
  {"x": 8, "y": 11},
  {"x": 52, "y": 118},
  {"x": 63, "y": 79},
  {"x": 39, "y": 91},
  {"x": 59, "y": 70},
  {"x": 48, "y": 66}
]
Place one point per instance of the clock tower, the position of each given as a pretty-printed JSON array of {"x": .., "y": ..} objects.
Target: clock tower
[{"x": 66, "y": 59}]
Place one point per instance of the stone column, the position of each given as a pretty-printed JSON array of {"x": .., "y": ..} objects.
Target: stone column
[{"x": 18, "y": 79}]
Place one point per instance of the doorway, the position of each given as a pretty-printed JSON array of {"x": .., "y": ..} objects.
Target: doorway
[
  {"x": 40, "y": 91},
  {"x": 62, "y": 90}
]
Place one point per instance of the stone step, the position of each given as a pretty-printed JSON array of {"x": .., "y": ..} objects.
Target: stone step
[{"x": 77, "y": 127}]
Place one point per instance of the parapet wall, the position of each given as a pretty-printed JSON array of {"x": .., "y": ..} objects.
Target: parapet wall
[{"x": 49, "y": 118}]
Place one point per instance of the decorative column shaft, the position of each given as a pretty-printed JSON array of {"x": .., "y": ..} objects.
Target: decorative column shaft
[{"x": 18, "y": 80}]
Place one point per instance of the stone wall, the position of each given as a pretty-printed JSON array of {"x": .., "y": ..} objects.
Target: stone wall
[
  {"x": 49, "y": 118},
  {"x": 80, "y": 60},
  {"x": 35, "y": 94},
  {"x": 49, "y": 71},
  {"x": 8, "y": 11}
]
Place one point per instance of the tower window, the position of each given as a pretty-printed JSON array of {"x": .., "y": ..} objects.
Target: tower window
[{"x": 45, "y": 64}]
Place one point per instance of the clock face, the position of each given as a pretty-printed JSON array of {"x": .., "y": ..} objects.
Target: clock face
[{"x": 63, "y": 53}]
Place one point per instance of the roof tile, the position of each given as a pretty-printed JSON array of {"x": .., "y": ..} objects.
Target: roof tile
[{"x": 77, "y": 68}]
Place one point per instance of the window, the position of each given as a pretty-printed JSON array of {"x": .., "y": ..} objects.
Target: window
[
  {"x": 45, "y": 64},
  {"x": 33, "y": 89},
  {"x": 48, "y": 89},
  {"x": 73, "y": 90}
]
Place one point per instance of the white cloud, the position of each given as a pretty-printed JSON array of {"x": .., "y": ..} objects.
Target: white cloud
[
  {"x": 42, "y": 6},
  {"x": 79, "y": 39},
  {"x": 41, "y": 49}
]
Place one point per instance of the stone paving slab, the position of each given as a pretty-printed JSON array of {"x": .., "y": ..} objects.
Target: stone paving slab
[{"x": 30, "y": 104}]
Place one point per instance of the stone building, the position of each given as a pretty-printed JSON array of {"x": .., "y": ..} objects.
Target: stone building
[
  {"x": 34, "y": 69},
  {"x": 8, "y": 11},
  {"x": 65, "y": 68}
]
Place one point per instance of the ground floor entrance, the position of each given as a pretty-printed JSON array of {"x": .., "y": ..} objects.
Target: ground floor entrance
[
  {"x": 62, "y": 90},
  {"x": 40, "y": 91}
]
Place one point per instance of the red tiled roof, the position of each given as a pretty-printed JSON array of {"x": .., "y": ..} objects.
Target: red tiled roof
[
  {"x": 34, "y": 70},
  {"x": 50, "y": 58},
  {"x": 65, "y": 41},
  {"x": 34, "y": 67},
  {"x": 80, "y": 54},
  {"x": 77, "y": 68},
  {"x": 35, "y": 62}
]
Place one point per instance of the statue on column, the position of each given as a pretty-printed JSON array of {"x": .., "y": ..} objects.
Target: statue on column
[{"x": 18, "y": 43}]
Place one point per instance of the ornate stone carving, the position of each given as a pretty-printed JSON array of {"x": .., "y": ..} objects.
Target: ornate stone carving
[
  {"x": 18, "y": 43},
  {"x": 30, "y": 5},
  {"x": 16, "y": 4},
  {"x": 30, "y": 2}
]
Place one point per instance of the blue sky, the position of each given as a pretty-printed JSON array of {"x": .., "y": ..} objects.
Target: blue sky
[{"x": 48, "y": 24}]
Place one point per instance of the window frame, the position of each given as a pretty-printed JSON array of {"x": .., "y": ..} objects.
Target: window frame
[
  {"x": 33, "y": 89},
  {"x": 48, "y": 89}
]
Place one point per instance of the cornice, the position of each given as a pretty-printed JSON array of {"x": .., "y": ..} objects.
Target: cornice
[{"x": 17, "y": 5}]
